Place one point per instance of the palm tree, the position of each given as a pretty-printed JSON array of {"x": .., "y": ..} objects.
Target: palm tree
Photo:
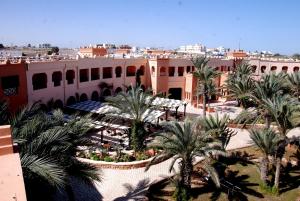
[
  {"x": 285, "y": 110},
  {"x": 218, "y": 128},
  {"x": 268, "y": 87},
  {"x": 184, "y": 141},
  {"x": 267, "y": 141},
  {"x": 240, "y": 84},
  {"x": 294, "y": 84},
  {"x": 137, "y": 105},
  {"x": 47, "y": 146},
  {"x": 205, "y": 79}
]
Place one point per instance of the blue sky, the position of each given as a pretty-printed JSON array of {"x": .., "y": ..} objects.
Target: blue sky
[{"x": 258, "y": 24}]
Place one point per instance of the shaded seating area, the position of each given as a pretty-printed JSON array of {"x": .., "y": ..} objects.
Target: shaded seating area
[
  {"x": 116, "y": 133},
  {"x": 170, "y": 105}
]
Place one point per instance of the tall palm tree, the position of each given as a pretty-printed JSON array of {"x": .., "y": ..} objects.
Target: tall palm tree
[
  {"x": 267, "y": 141},
  {"x": 294, "y": 84},
  {"x": 285, "y": 110},
  {"x": 240, "y": 84},
  {"x": 137, "y": 105},
  {"x": 184, "y": 141},
  {"x": 47, "y": 146},
  {"x": 205, "y": 79},
  {"x": 268, "y": 87}
]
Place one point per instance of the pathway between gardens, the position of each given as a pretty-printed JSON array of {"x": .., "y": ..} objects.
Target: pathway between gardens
[{"x": 119, "y": 185}]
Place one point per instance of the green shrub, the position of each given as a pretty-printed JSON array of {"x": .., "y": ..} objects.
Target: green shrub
[
  {"x": 108, "y": 159},
  {"x": 94, "y": 156},
  {"x": 271, "y": 190}
]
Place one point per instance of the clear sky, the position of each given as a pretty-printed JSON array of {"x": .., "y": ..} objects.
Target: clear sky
[{"x": 258, "y": 24}]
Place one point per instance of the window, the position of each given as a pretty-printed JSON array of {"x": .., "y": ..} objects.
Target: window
[
  {"x": 142, "y": 70},
  {"x": 70, "y": 75},
  {"x": 118, "y": 71},
  {"x": 162, "y": 71},
  {"x": 193, "y": 68},
  {"x": 254, "y": 68},
  {"x": 10, "y": 85},
  {"x": 84, "y": 75},
  {"x": 296, "y": 69},
  {"x": 95, "y": 74},
  {"x": 56, "y": 78},
  {"x": 130, "y": 71},
  {"x": 273, "y": 68},
  {"x": 39, "y": 81},
  {"x": 188, "y": 69},
  {"x": 263, "y": 69},
  {"x": 180, "y": 71},
  {"x": 153, "y": 70},
  {"x": 107, "y": 72},
  {"x": 171, "y": 71},
  {"x": 284, "y": 69}
]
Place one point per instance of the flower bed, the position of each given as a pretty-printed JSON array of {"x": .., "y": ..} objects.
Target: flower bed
[
  {"x": 119, "y": 160},
  {"x": 117, "y": 165}
]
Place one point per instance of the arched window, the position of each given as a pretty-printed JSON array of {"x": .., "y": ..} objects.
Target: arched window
[
  {"x": 162, "y": 71},
  {"x": 83, "y": 97},
  {"x": 284, "y": 69},
  {"x": 118, "y": 71},
  {"x": 56, "y": 78},
  {"x": 142, "y": 70},
  {"x": 130, "y": 71},
  {"x": 273, "y": 68},
  {"x": 263, "y": 69},
  {"x": 39, "y": 81},
  {"x": 296, "y": 69},
  {"x": 70, "y": 76},
  {"x": 253, "y": 68}
]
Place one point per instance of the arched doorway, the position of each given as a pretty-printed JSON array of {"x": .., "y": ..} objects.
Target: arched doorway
[
  {"x": 106, "y": 92},
  {"x": 58, "y": 104},
  {"x": 83, "y": 97},
  {"x": 118, "y": 90},
  {"x": 71, "y": 100},
  {"x": 95, "y": 96}
]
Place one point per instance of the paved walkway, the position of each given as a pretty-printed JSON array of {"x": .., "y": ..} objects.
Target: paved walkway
[{"x": 119, "y": 185}]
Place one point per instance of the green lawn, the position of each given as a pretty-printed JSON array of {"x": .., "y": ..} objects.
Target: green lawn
[{"x": 243, "y": 175}]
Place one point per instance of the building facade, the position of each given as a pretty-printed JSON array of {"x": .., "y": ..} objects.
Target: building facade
[{"x": 13, "y": 84}]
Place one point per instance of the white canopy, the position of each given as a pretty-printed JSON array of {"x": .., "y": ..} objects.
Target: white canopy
[{"x": 99, "y": 108}]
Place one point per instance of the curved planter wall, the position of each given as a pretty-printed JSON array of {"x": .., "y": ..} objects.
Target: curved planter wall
[{"x": 119, "y": 165}]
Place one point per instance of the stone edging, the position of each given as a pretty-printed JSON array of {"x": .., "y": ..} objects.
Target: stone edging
[{"x": 118, "y": 165}]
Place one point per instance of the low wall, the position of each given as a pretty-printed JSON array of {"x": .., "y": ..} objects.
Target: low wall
[
  {"x": 117, "y": 165},
  {"x": 248, "y": 126}
]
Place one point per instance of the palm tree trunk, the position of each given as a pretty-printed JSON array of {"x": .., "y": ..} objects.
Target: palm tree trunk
[
  {"x": 267, "y": 121},
  {"x": 204, "y": 101},
  {"x": 277, "y": 172},
  {"x": 186, "y": 177},
  {"x": 264, "y": 170}
]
